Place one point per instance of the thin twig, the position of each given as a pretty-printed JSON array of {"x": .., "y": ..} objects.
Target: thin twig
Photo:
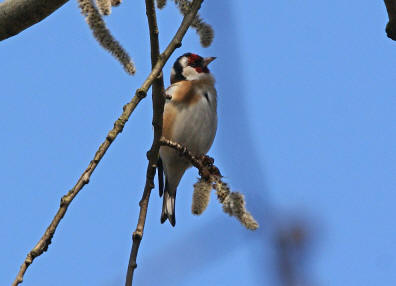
[
  {"x": 203, "y": 163},
  {"x": 233, "y": 202},
  {"x": 158, "y": 108},
  {"x": 119, "y": 124},
  {"x": 204, "y": 30}
]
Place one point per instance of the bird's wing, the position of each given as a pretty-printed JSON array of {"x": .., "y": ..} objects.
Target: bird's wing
[
  {"x": 177, "y": 94},
  {"x": 182, "y": 92},
  {"x": 160, "y": 168}
]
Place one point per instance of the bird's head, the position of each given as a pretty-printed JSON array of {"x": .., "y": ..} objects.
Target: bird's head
[{"x": 190, "y": 67}]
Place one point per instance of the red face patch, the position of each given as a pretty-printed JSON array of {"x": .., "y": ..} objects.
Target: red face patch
[
  {"x": 196, "y": 62},
  {"x": 202, "y": 69},
  {"x": 193, "y": 58}
]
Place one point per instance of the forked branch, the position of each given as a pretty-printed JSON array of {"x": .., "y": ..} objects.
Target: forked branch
[{"x": 119, "y": 124}]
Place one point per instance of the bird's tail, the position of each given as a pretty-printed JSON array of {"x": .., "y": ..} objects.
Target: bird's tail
[{"x": 168, "y": 205}]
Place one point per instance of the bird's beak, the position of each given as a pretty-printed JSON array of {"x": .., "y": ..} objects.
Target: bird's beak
[{"x": 207, "y": 61}]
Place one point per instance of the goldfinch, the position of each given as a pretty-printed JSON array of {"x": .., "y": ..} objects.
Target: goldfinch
[{"x": 190, "y": 119}]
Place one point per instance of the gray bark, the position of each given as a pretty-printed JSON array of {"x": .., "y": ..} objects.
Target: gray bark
[{"x": 18, "y": 15}]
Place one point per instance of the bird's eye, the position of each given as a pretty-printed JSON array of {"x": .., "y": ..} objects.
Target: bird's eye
[{"x": 196, "y": 63}]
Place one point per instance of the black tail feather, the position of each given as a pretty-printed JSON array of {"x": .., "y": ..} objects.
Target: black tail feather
[
  {"x": 168, "y": 206},
  {"x": 160, "y": 168}
]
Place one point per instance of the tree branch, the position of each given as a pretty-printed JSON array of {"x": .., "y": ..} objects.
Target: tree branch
[
  {"x": 119, "y": 124},
  {"x": 391, "y": 25},
  {"x": 158, "y": 100},
  {"x": 203, "y": 163},
  {"x": 158, "y": 109},
  {"x": 211, "y": 178},
  {"x": 18, "y": 15}
]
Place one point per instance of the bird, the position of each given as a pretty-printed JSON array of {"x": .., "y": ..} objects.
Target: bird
[{"x": 190, "y": 119}]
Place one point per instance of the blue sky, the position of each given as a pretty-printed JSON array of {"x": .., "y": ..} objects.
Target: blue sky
[{"x": 307, "y": 114}]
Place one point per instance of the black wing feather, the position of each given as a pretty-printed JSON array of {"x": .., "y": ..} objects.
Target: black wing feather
[{"x": 160, "y": 177}]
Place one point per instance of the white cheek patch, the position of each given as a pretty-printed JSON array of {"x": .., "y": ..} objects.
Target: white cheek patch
[
  {"x": 190, "y": 73},
  {"x": 184, "y": 62}
]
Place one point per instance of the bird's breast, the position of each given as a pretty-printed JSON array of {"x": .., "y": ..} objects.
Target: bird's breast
[{"x": 195, "y": 124}]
